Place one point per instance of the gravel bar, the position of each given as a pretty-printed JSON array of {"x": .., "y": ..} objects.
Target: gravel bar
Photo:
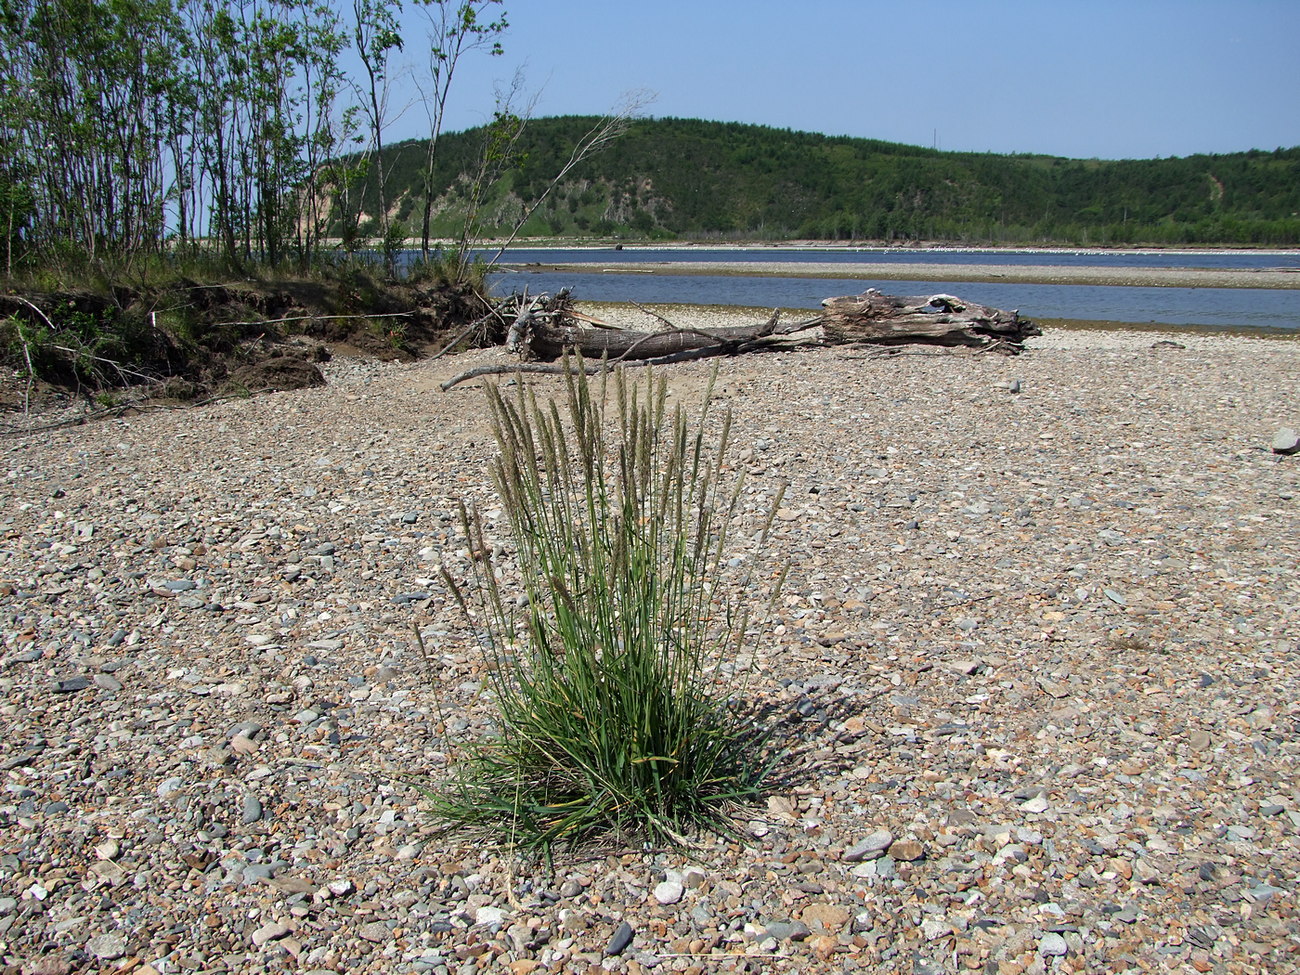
[
  {"x": 1173, "y": 277},
  {"x": 1035, "y": 661}
]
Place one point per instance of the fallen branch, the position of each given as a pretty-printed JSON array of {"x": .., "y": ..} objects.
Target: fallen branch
[
  {"x": 551, "y": 369},
  {"x": 547, "y": 328}
]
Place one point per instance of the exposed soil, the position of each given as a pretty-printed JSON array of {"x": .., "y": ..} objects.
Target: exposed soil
[{"x": 193, "y": 341}]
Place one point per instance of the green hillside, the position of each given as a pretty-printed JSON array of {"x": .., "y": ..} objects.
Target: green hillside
[{"x": 683, "y": 178}]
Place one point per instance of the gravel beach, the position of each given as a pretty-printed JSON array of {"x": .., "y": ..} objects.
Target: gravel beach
[
  {"x": 1036, "y": 661},
  {"x": 1155, "y": 277}
]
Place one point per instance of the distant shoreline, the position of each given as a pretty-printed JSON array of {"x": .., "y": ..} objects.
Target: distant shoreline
[
  {"x": 1172, "y": 277},
  {"x": 920, "y": 248}
]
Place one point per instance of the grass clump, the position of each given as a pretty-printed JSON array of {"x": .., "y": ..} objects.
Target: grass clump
[{"x": 609, "y": 718}]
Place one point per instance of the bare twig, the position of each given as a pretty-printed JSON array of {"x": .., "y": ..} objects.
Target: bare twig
[
  {"x": 548, "y": 369},
  {"x": 607, "y": 130}
]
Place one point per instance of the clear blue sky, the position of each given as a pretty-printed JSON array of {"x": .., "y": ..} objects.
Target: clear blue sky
[{"x": 1079, "y": 78}]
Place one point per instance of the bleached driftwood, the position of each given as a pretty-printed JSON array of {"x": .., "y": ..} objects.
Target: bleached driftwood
[{"x": 546, "y": 328}]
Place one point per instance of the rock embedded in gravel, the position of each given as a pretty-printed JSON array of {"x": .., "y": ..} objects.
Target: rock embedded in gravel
[
  {"x": 620, "y": 940},
  {"x": 1052, "y": 945},
  {"x": 906, "y": 850},
  {"x": 669, "y": 892},
  {"x": 827, "y": 918},
  {"x": 1286, "y": 441},
  {"x": 375, "y": 932},
  {"x": 1038, "y": 804},
  {"x": 869, "y": 847},
  {"x": 250, "y": 810},
  {"x": 787, "y": 930},
  {"x": 107, "y": 947},
  {"x": 270, "y": 931}
]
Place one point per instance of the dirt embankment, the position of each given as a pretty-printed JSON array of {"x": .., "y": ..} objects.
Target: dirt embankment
[{"x": 190, "y": 341}]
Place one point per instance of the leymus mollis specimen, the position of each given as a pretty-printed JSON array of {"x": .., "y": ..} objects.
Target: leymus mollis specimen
[{"x": 611, "y": 719}]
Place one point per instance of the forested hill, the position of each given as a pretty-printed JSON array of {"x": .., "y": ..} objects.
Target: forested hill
[{"x": 669, "y": 178}]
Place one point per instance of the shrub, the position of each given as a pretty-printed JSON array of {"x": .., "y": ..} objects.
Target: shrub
[
  {"x": 609, "y": 718},
  {"x": 452, "y": 268}
]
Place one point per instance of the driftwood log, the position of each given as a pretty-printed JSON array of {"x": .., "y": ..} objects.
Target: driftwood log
[
  {"x": 879, "y": 319},
  {"x": 545, "y": 328}
]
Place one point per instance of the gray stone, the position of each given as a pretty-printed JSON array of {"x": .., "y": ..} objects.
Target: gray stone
[
  {"x": 622, "y": 937},
  {"x": 71, "y": 685},
  {"x": 107, "y": 947},
  {"x": 669, "y": 892},
  {"x": 871, "y": 847},
  {"x": 787, "y": 930},
  {"x": 933, "y": 928},
  {"x": 270, "y": 931},
  {"x": 1286, "y": 441},
  {"x": 251, "y": 810},
  {"x": 1052, "y": 945}
]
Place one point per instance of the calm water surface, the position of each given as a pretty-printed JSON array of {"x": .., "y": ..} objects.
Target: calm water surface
[
  {"x": 1211, "y": 307},
  {"x": 1228, "y": 260}
]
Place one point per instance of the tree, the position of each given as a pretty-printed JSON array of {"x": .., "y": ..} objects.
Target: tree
[
  {"x": 375, "y": 37},
  {"x": 455, "y": 28}
]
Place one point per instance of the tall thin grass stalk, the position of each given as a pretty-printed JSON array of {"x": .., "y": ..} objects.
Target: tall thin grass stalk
[{"x": 604, "y": 666}]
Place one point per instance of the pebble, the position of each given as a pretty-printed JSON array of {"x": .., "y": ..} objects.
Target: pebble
[
  {"x": 1052, "y": 945},
  {"x": 869, "y": 847},
  {"x": 270, "y": 931},
  {"x": 787, "y": 930},
  {"x": 107, "y": 947},
  {"x": 906, "y": 850},
  {"x": 1286, "y": 441},
  {"x": 1038, "y": 804},
  {"x": 375, "y": 932},
  {"x": 620, "y": 940},
  {"x": 250, "y": 810},
  {"x": 669, "y": 892}
]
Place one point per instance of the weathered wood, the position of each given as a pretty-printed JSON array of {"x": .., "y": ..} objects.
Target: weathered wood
[
  {"x": 547, "y": 328},
  {"x": 879, "y": 319}
]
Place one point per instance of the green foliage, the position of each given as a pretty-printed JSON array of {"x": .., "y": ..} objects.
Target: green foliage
[
  {"x": 689, "y": 178},
  {"x": 451, "y": 268},
  {"x": 79, "y": 343},
  {"x": 610, "y": 717}
]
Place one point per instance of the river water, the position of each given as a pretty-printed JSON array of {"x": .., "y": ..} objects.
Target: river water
[{"x": 1239, "y": 308}]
